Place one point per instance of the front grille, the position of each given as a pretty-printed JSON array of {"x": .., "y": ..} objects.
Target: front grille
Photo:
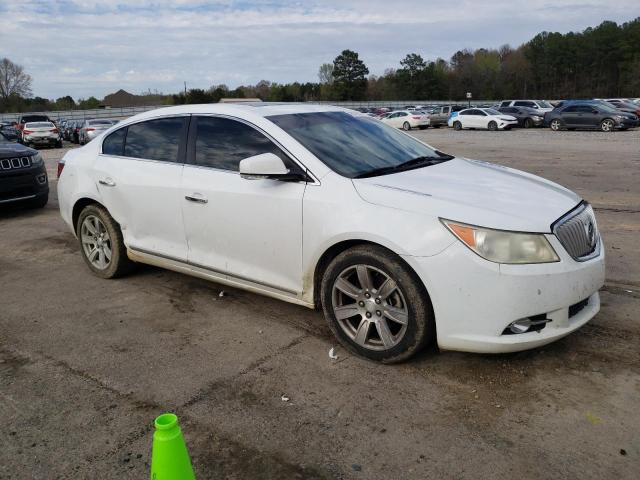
[
  {"x": 15, "y": 163},
  {"x": 578, "y": 233}
]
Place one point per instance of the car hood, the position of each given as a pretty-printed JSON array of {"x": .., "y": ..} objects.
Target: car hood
[
  {"x": 474, "y": 192},
  {"x": 8, "y": 150}
]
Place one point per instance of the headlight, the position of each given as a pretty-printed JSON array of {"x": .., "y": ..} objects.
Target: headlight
[
  {"x": 504, "y": 247},
  {"x": 536, "y": 117},
  {"x": 36, "y": 160}
]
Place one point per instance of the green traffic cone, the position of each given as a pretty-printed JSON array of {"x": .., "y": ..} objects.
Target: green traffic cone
[{"x": 169, "y": 456}]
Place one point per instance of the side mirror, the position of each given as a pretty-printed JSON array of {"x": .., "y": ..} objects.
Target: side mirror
[{"x": 267, "y": 165}]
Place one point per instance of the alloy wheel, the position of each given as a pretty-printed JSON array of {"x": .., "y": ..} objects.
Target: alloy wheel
[
  {"x": 607, "y": 125},
  {"x": 370, "y": 307},
  {"x": 555, "y": 125},
  {"x": 96, "y": 242}
]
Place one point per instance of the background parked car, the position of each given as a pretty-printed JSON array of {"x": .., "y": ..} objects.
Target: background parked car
[
  {"x": 483, "y": 118},
  {"x": 624, "y": 105},
  {"x": 90, "y": 129},
  {"x": 10, "y": 132},
  {"x": 527, "y": 117},
  {"x": 74, "y": 131},
  {"x": 589, "y": 115},
  {"x": 541, "y": 105},
  {"x": 30, "y": 118},
  {"x": 23, "y": 176},
  {"x": 41, "y": 134},
  {"x": 407, "y": 120},
  {"x": 439, "y": 116}
]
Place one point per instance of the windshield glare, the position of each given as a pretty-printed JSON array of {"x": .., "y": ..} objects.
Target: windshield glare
[
  {"x": 352, "y": 146},
  {"x": 544, "y": 104},
  {"x": 491, "y": 111}
]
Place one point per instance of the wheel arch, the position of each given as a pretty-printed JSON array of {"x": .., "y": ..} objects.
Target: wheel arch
[
  {"x": 337, "y": 248},
  {"x": 78, "y": 206}
]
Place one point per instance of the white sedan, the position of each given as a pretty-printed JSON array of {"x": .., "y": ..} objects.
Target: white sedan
[
  {"x": 407, "y": 120},
  {"x": 484, "y": 118},
  {"x": 398, "y": 243}
]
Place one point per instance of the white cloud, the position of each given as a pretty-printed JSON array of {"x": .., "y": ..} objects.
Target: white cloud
[{"x": 93, "y": 47}]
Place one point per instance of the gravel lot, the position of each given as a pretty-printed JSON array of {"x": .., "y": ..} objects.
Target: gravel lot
[{"x": 86, "y": 364}]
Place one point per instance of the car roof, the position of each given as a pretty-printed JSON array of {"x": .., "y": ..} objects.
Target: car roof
[{"x": 252, "y": 109}]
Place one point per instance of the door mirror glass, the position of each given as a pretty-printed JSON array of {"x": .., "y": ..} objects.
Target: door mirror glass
[{"x": 265, "y": 165}]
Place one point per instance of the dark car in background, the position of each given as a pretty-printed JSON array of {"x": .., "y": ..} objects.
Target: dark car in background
[
  {"x": 624, "y": 105},
  {"x": 589, "y": 116},
  {"x": 23, "y": 177},
  {"x": 10, "y": 132},
  {"x": 527, "y": 117}
]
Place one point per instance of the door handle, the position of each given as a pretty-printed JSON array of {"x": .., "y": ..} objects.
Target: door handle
[
  {"x": 107, "y": 182},
  {"x": 198, "y": 199}
]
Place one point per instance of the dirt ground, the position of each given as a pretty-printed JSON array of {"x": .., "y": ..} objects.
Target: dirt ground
[{"x": 86, "y": 364}]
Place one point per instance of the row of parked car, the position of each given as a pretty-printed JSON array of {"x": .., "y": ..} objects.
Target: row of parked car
[
  {"x": 39, "y": 130},
  {"x": 598, "y": 114}
]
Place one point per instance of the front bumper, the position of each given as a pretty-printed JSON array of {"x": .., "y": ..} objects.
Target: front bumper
[
  {"x": 474, "y": 300},
  {"x": 23, "y": 184},
  {"x": 505, "y": 125}
]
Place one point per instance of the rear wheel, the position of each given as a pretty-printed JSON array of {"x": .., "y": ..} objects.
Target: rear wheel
[
  {"x": 493, "y": 126},
  {"x": 457, "y": 126},
  {"x": 406, "y": 126},
  {"x": 101, "y": 243},
  {"x": 375, "y": 305},
  {"x": 555, "y": 125},
  {"x": 607, "y": 125}
]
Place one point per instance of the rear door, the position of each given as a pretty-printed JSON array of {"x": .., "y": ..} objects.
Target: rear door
[
  {"x": 138, "y": 175},
  {"x": 247, "y": 229}
]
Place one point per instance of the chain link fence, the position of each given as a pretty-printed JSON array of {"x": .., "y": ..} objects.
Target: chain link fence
[{"x": 125, "y": 112}]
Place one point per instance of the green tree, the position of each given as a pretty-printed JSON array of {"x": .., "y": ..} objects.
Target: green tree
[
  {"x": 349, "y": 74},
  {"x": 325, "y": 73}
]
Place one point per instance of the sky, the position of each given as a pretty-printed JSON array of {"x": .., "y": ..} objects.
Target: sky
[{"x": 88, "y": 47}]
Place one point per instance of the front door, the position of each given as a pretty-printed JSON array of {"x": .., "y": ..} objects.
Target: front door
[{"x": 247, "y": 229}]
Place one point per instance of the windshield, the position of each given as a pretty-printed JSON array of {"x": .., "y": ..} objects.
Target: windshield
[
  {"x": 34, "y": 118},
  {"x": 544, "y": 104},
  {"x": 607, "y": 107},
  {"x": 352, "y": 146},
  {"x": 491, "y": 111}
]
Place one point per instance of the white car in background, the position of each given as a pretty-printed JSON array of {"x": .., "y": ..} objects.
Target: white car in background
[
  {"x": 398, "y": 243},
  {"x": 407, "y": 120},
  {"x": 38, "y": 134},
  {"x": 483, "y": 118},
  {"x": 541, "y": 105}
]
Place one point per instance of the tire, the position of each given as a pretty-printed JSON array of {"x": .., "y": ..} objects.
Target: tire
[
  {"x": 423, "y": 127},
  {"x": 555, "y": 125},
  {"x": 607, "y": 125},
  {"x": 406, "y": 299},
  {"x": 493, "y": 126},
  {"x": 528, "y": 123},
  {"x": 119, "y": 264},
  {"x": 406, "y": 126},
  {"x": 457, "y": 126}
]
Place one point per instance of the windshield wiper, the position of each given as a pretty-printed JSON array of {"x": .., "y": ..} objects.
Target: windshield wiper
[{"x": 418, "y": 162}]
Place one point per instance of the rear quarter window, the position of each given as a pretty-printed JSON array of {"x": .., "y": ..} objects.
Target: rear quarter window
[{"x": 114, "y": 143}]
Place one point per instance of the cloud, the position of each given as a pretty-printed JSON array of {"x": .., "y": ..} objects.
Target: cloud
[{"x": 92, "y": 47}]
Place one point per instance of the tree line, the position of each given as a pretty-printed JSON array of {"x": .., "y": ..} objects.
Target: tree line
[{"x": 602, "y": 61}]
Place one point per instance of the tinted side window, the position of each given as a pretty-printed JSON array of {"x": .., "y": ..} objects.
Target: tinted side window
[
  {"x": 525, "y": 104},
  {"x": 114, "y": 143},
  {"x": 155, "y": 139},
  {"x": 505, "y": 104},
  {"x": 571, "y": 109},
  {"x": 222, "y": 143}
]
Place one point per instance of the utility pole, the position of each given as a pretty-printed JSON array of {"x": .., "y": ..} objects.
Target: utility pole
[{"x": 185, "y": 89}]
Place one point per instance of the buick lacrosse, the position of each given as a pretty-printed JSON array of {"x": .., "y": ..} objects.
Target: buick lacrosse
[{"x": 398, "y": 243}]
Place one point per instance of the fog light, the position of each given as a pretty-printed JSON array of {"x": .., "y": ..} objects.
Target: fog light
[
  {"x": 42, "y": 179},
  {"x": 520, "y": 326}
]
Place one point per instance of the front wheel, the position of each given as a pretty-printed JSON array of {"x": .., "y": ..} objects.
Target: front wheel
[
  {"x": 528, "y": 123},
  {"x": 555, "y": 125},
  {"x": 607, "y": 125},
  {"x": 375, "y": 305},
  {"x": 493, "y": 126},
  {"x": 406, "y": 126},
  {"x": 101, "y": 243}
]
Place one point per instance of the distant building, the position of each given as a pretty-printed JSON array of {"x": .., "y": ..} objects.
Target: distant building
[{"x": 123, "y": 98}]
